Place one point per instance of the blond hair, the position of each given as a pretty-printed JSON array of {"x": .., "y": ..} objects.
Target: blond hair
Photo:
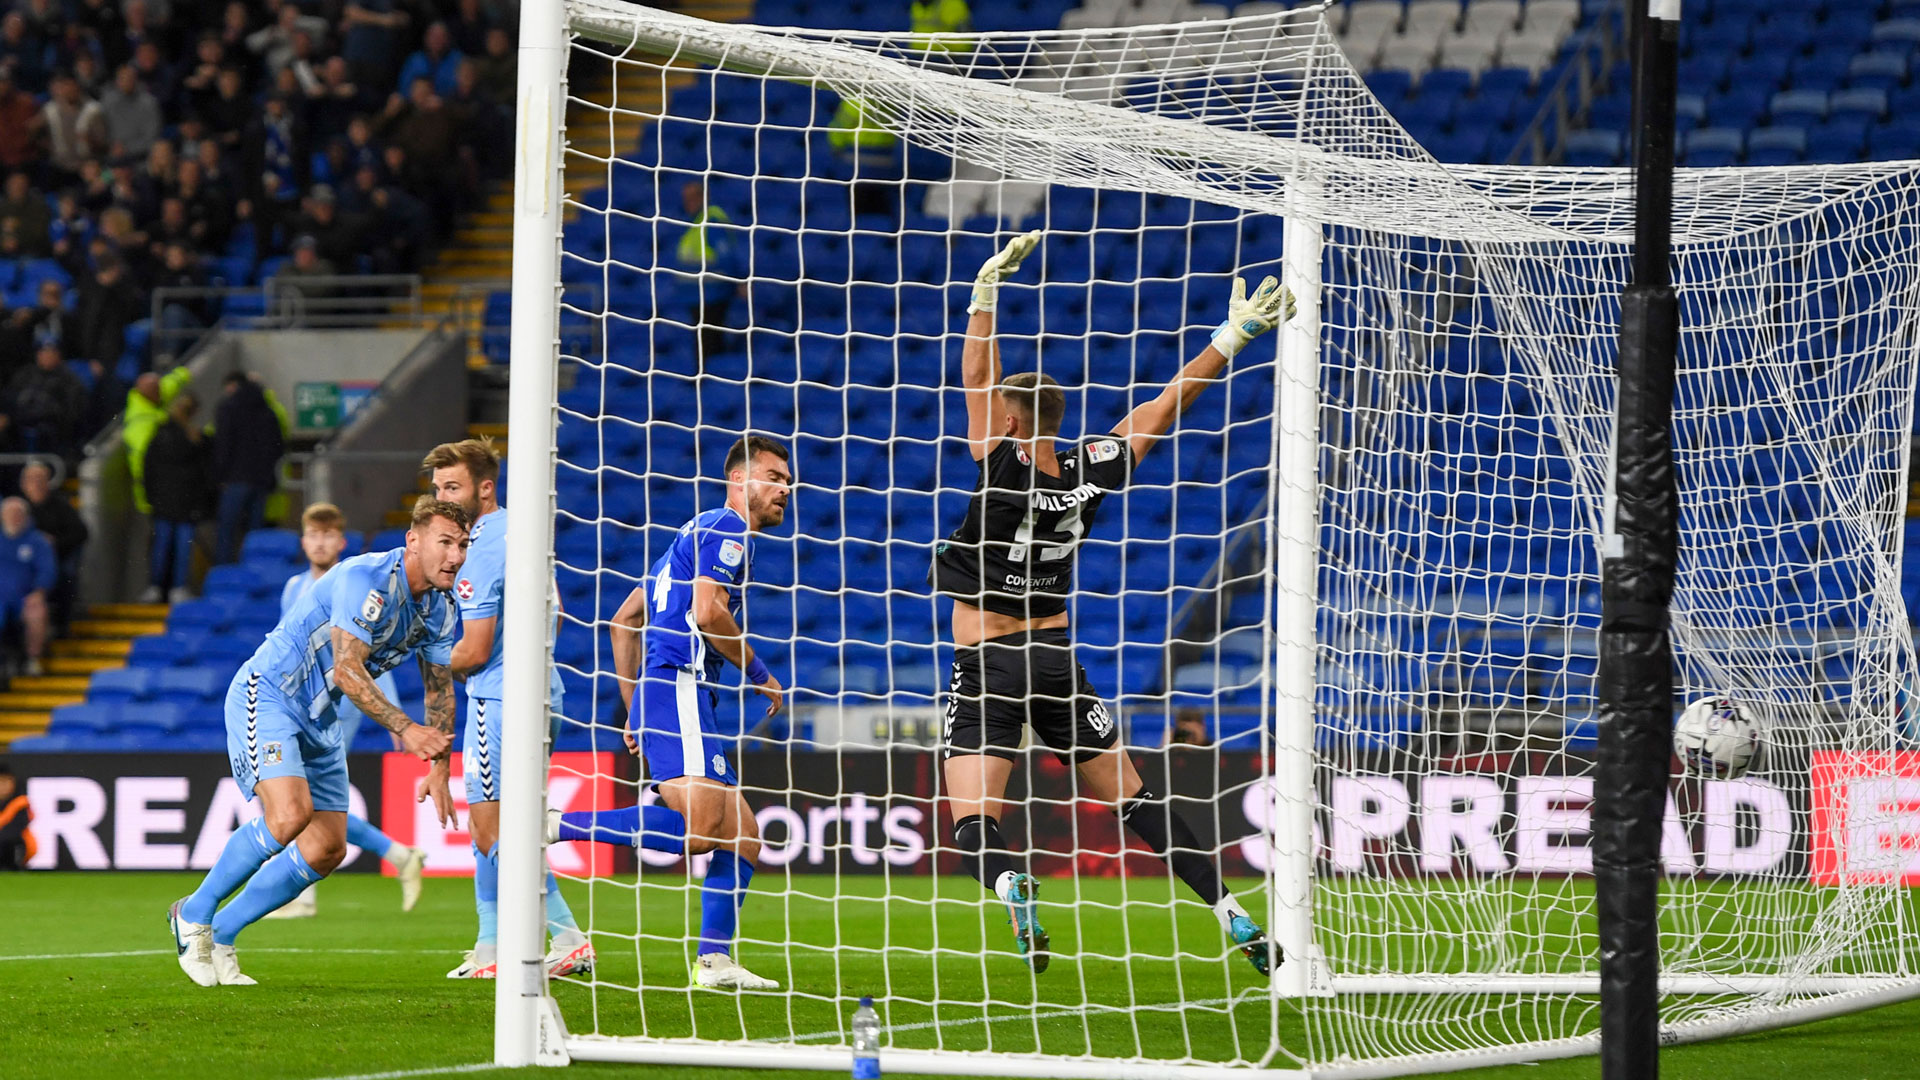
[{"x": 478, "y": 455}]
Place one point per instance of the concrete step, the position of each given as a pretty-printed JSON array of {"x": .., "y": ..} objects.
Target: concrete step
[
  {"x": 51, "y": 684},
  {"x": 117, "y": 628},
  {"x": 81, "y": 665},
  {"x": 21, "y": 701},
  {"x": 127, "y": 611},
  {"x": 18, "y": 725},
  {"x": 115, "y": 649}
]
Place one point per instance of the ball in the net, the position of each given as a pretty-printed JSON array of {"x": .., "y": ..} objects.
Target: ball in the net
[{"x": 1716, "y": 739}]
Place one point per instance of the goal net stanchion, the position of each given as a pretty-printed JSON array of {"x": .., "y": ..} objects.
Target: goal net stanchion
[{"x": 1435, "y": 441}]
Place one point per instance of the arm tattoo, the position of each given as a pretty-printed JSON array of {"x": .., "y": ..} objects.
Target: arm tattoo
[
  {"x": 439, "y": 683},
  {"x": 350, "y": 675}
]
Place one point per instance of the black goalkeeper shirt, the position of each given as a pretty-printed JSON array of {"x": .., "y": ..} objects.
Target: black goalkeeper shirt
[{"x": 1014, "y": 552}]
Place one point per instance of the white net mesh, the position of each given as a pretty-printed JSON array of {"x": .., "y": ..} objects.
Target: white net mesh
[{"x": 1467, "y": 333}]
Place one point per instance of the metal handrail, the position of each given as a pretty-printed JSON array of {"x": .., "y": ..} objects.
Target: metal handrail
[
  {"x": 336, "y": 302},
  {"x": 1531, "y": 142}
]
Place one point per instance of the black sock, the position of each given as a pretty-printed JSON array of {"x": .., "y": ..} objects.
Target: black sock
[
  {"x": 1169, "y": 835},
  {"x": 982, "y": 852}
]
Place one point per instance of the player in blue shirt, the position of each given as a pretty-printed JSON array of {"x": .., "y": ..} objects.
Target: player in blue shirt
[
  {"x": 690, "y": 608},
  {"x": 361, "y": 619},
  {"x": 28, "y": 572},
  {"x": 466, "y": 473},
  {"x": 323, "y": 536}
]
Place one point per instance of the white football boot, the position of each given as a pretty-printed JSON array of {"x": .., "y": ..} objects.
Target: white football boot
[
  {"x": 478, "y": 964},
  {"x": 304, "y": 906},
  {"x": 227, "y": 966},
  {"x": 718, "y": 971},
  {"x": 410, "y": 869},
  {"x": 552, "y": 828},
  {"x": 570, "y": 958},
  {"x": 194, "y": 942}
]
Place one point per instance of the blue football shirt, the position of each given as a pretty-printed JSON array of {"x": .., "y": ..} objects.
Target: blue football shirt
[
  {"x": 714, "y": 545},
  {"x": 366, "y": 596}
]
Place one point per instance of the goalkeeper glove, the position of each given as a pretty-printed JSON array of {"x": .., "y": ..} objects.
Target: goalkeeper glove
[
  {"x": 1271, "y": 304},
  {"x": 986, "y": 284}
]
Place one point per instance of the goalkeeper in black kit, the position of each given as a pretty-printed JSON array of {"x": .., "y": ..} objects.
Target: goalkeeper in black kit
[{"x": 1009, "y": 568}]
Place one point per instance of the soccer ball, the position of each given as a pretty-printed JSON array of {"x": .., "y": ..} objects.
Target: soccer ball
[{"x": 1716, "y": 739}]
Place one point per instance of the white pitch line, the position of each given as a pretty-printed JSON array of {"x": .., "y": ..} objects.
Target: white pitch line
[
  {"x": 163, "y": 952},
  {"x": 443, "y": 1070},
  {"x": 924, "y": 1025}
]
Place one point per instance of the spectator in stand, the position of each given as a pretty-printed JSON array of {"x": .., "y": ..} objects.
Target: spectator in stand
[
  {"x": 27, "y": 209},
  {"x": 208, "y": 214},
  {"x": 180, "y": 316},
  {"x": 228, "y": 114},
  {"x": 497, "y": 71},
  {"x": 372, "y": 39},
  {"x": 332, "y": 107},
  {"x": 201, "y": 84},
  {"x": 712, "y": 255},
  {"x": 398, "y": 226},
  {"x": 72, "y": 229},
  {"x": 104, "y": 398},
  {"x": 87, "y": 70},
  {"x": 139, "y": 25},
  {"x": 99, "y": 19},
  {"x": 469, "y": 26},
  {"x": 275, "y": 44},
  {"x": 336, "y": 240},
  {"x": 141, "y": 417},
  {"x": 56, "y": 517},
  {"x": 487, "y": 128},
  {"x": 76, "y": 129},
  {"x": 109, "y": 303},
  {"x": 28, "y": 573},
  {"x": 180, "y": 488},
  {"x": 44, "y": 403},
  {"x": 159, "y": 77},
  {"x": 427, "y": 135},
  {"x": 20, "y": 121},
  {"x": 24, "y": 51},
  {"x": 437, "y": 61},
  {"x": 17, "y": 845},
  {"x": 132, "y": 115},
  {"x": 236, "y": 25},
  {"x": 170, "y": 228},
  {"x": 247, "y": 445},
  {"x": 276, "y": 149},
  {"x": 153, "y": 180},
  {"x": 26, "y": 327}
]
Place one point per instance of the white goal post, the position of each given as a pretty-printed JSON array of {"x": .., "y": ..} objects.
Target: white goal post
[{"x": 1401, "y": 763}]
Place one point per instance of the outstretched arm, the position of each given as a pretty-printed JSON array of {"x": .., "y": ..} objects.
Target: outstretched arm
[
  {"x": 350, "y": 675},
  {"x": 980, "y": 356},
  {"x": 1247, "y": 318}
]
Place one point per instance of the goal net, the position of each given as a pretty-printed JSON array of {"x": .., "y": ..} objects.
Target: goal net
[{"x": 1345, "y": 615}]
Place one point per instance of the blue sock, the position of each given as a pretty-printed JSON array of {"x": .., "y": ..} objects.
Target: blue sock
[
  {"x": 725, "y": 889},
  {"x": 367, "y": 838},
  {"x": 559, "y": 915},
  {"x": 271, "y": 887},
  {"x": 250, "y": 846},
  {"x": 656, "y": 828},
  {"x": 486, "y": 894}
]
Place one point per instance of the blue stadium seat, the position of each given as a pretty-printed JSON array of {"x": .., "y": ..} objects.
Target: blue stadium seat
[
  {"x": 1798, "y": 107},
  {"x": 121, "y": 685},
  {"x": 1776, "y": 146},
  {"x": 1713, "y": 146},
  {"x": 165, "y": 650},
  {"x": 1593, "y": 147},
  {"x": 191, "y": 685},
  {"x": 271, "y": 544},
  {"x": 1878, "y": 70},
  {"x": 86, "y": 717}
]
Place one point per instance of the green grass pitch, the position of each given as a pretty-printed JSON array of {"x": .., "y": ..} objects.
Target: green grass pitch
[{"x": 89, "y": 987}]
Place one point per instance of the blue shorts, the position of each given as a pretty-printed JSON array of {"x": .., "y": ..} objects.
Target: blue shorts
[
  {"x": 480, "y": 743},
  {"x": 268, "y": 738},
  {"x": 676, "y": 729}
]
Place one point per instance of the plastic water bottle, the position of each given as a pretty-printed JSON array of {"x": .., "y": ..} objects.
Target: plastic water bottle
[{"x": 866, "y": 1041}]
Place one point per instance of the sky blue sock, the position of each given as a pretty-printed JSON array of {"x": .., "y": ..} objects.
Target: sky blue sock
[
  {"x": 250, "y": 846},
  {"x": 486, "y": 894},
  {"x": 724, "y": 890},
  {"x": 367, "y": 838},
  {"x": 270, "y": 888},
  {"x": 559, "y": 915},
  {"x": 656, "y": 828}
]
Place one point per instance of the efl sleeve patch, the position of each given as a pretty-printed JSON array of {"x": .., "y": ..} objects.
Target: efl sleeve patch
[
  {"x": 1103, "y": 451},
  {"x": 731, "y": 552},
  {"x": 373, "y": 607}
]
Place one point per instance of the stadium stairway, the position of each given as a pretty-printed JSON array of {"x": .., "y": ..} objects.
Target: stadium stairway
[
  {"x": 99, "y": 641},
  {"x": 478, "y": 260}
]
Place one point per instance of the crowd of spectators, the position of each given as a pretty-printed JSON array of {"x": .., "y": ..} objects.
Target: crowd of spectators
[{"x": 150, "y": 143}]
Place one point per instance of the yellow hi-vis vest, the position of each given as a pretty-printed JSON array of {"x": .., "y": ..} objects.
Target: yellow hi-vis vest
[
  {"x": 850, "y": 129},
  {"x": 948, "y": 18},
  {"x": 694, "y": 250}
]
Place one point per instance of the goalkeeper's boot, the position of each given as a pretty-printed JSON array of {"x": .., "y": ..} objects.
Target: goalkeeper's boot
[
  {"x": 226, "y": 965},
  {"x": 194, "y": 943},
  {"x": 570, "y": 957},
  {"x": 1261, "y": 953},
  {"x": 410, "y": 869},
  {"x": 718, "y": 971},
  {"x": 551, "y": 826},
  {"x": 1023, "y": 894},
  {"x": 479, "y": 963},
  {"x": 304, "y": 906}
]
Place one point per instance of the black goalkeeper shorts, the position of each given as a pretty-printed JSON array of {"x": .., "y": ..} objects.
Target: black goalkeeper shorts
[{"x": 1005, "y": 683}]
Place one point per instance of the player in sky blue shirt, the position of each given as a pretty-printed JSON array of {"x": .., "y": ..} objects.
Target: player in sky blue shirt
[
  {"x": 284, "y": 737},
  {"x": 690, "y": 607},
  {"x": 466, "y": 473},
  {"x": 323, "y": 536}
]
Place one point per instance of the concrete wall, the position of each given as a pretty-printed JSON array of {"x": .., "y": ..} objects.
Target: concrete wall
[{"x": 282, "y": 358}]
